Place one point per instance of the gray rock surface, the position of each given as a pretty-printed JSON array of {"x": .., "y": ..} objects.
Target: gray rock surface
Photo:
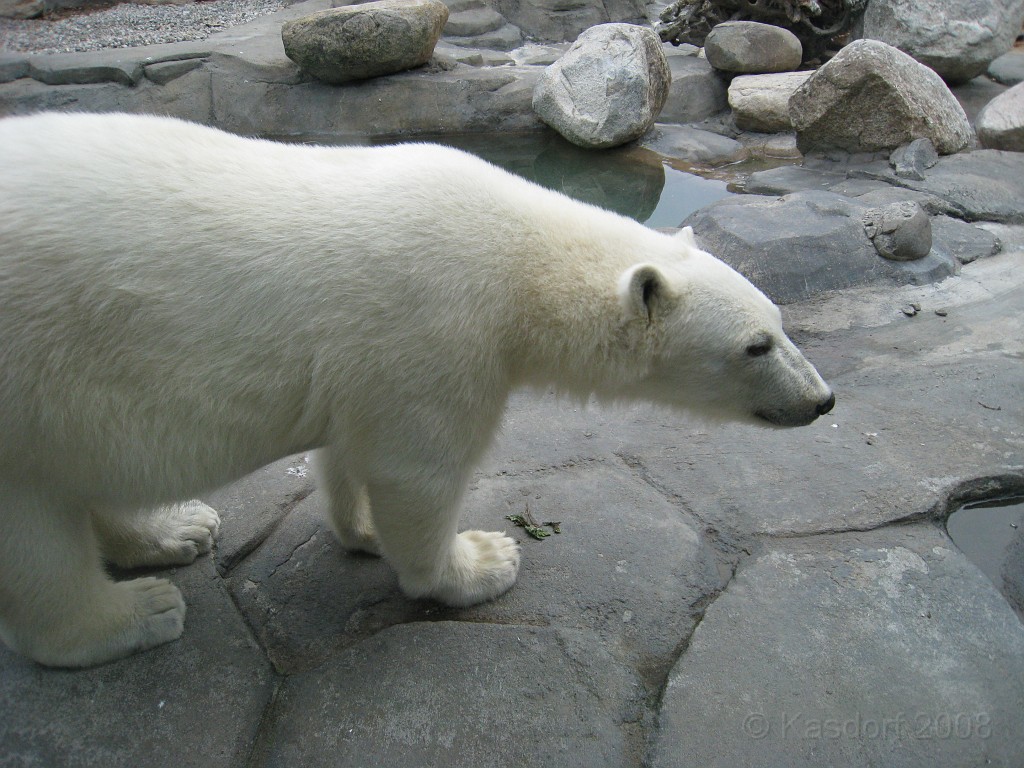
[
  {"x": 696, "y": 91},
  {"x": 911, "y": 160},
  {"x": 956, "y": 38},
  {"x": 796, "y": 246},
  {"x": 873, "y": 97},
  {"x": 512, "y": 695},
  {"x": 984, "y": 185},
  {"x": 608, "y": 89},
  {"x": 964, "y": 242},
  {"x": 749, "y": 47},
  {"x": 1000, "y": 124},
  {"x": 694, "y": 146},
  {"x": 929, "y": 688},
  {"x": 761, "y": 102},
  {"x": 1008, "y": 69},
  {"x": 367, "y": 40},
  {"x": 899, "y": 231}
]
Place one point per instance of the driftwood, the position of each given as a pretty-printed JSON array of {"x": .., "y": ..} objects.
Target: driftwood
[{"x": 815, "y": 22}]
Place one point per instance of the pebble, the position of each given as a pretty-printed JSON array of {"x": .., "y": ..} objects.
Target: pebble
[{"x": 128, "y": 24}]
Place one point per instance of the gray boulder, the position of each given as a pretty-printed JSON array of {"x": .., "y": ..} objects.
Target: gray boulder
[
  {"x": 752, "y": 47},
  {"x": 369, "y": 40},
  {"x": 560, "y": 20},
  {"x": 761, "y": 102},
  {"x": 1000, "y": 123},
  {"x": 899, "y": 231},
  {"x": 803, "y": 244},
  {"x": 607, "y": 89},
  {"x": 872, "y": 97},
  {"x": 956, "y": 38}
]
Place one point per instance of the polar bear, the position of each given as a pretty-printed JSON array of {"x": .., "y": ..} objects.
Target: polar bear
[{"x": 180, "y": 306}]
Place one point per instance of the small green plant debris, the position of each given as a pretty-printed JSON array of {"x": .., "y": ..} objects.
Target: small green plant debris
[{"x": 527, "y": 523}]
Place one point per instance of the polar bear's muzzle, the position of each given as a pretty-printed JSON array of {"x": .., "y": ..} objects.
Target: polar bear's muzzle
[{"x": 791, "y": 419}]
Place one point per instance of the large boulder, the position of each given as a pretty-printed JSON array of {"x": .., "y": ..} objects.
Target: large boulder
[
  {"x": 750, "y": 47},
  {"x": 956, "y": 38},
  {"x": 872, "y": 97},
  {"x": 559, "y": 20},
  {"x": 761, "y": 102},
  {"x": 607, "y": 89},
  {"x": 1001, "y": 122},
  {"x": 369, "y": 40}
]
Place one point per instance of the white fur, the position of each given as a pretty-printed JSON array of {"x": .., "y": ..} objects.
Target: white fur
[{"x": 179, "y": 306}]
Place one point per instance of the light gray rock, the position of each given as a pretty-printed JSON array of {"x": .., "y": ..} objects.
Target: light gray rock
[
  {"x": 460, "y": 695},
  {"x": 911, "y": 160},
  {"x": 900, "y": 231},
  {"x": 873, "y": 97},
  {"x": 889, "y": 649},
  {"x": 983, "y": 185},
  {"x": 803, "y": 244},
  {"x": 1008, "y": 69},
  {"x": 694, "y": 146},
  {"x": 1000, "y": 124},
  {"x": 761, "y": 102},
  {"x": 368, "y": 40},
  {"x": 696, "y": 92},
  {"x": 956, "y": 38},
  {"x": 965, "y": 242},
  {"x": 474, "y": 21},
  {"x": 13, "y": 66},
  {"x": 608, "y": 89},
  {"x": 750, "y": 47},
  {"x": 562, "y": 20}
]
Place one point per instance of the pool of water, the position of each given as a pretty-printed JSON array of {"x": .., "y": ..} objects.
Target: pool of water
[
  {"x": 991, "y": 534},
  {"x": 632, "y": 181}
]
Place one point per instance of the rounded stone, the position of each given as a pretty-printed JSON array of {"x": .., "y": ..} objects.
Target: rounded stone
[
  {"x": 607, "y": 89},
  {"x": 751, "y": 47},
  {"x": 369, "y": 40},
  {"x": 900, "y": 231},
  {"x": 1000, "y": 123}
]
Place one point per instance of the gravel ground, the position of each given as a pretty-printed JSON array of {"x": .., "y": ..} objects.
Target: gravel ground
[{"x": 129, "y": 24}]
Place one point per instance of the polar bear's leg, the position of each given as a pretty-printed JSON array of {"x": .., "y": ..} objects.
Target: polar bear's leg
[
  {"x": 348, "y": 505},
  {"x": 417, "y": 528},
  {"x": 175, "y": 534},
  {"x": 57, "y": 605}
]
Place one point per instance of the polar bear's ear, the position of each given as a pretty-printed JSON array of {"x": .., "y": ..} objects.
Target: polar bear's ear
[
  {"x": 641, "y": 288},
  {"x": 686, "y": 235}
]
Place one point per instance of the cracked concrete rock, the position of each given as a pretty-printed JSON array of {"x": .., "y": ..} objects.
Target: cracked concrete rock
[
  {"x": 882, "y": 649},
  {"x": 750, "y": 47},
  {"x": 462, "y": 695},
  {"x": 1000, "y": 123},
  {"x": 911, "y": 160},
  {"x": 872, "y": 97},
  {"x": 368, "y": 40},
  {"x": 956, "y": 38},
  {"x": 632, "y": 578},
  {"x": 607, "y": 89}
]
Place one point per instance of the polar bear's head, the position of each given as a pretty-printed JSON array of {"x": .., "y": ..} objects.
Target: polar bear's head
[{"x": 716, "y": 344}]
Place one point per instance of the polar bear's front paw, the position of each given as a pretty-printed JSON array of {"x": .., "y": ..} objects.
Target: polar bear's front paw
[
  {"x": 172, "y": 535},
  {"x": 158, "y": 614},
  {"x": 359, "y": 540},
  {"x": 483, "y": 565}
]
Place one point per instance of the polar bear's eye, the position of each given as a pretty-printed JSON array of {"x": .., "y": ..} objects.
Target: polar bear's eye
[{"x": 760, "y": 349}]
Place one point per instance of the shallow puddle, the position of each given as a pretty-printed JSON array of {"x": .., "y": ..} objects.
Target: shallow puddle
[{"x": 991, "y": 534}]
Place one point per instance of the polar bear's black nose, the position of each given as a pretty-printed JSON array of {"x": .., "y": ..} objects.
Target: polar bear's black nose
[{"x": 826, "y": 406}]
